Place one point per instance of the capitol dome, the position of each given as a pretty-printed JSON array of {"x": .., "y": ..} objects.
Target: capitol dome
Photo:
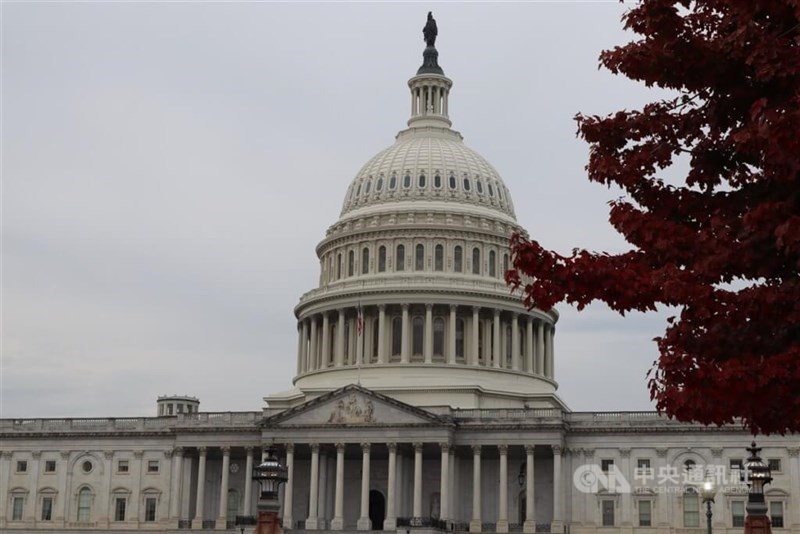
[{"x": 411, "y": 300}]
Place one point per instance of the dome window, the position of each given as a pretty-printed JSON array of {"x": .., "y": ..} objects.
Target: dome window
[
  {"x": 505, "y": 262},
  {"x": 351, "y": 263},
  {"x": 421, "y": 181},
  {"x": 491, "y": 190},
  {"x": 479, "y": 185},
  {"x": 500, "y": 191},
  {"x": 476, "y": 260},
  {"x": 406, "y": 181},
  {"x": 419, "y": 258},
  {"x": 400, "y": 258},
  {"x": 452, "y": 181},
  {"x": 437, "y": 181},
  {"x": 438, "y": 258},
  {"x": 379, "y": 185},
  {"x": 382, "y": 259},
  {"x": 365, "y": 261},
  {"x": 393, "y": 182},
  {"x": 366, "y": 187},
  {"x": 339, "y": 266},
  {"x": 467, "y": 185},
  {"x": 358, "y": 190},
  {"x": 458, "y": 260},
  {"x": 492, "y": 266}
]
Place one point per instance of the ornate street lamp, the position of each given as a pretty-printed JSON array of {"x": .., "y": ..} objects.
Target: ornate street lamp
[
  {"x": 757, "y": 474},
  {"x": 707, "y": 493},
  {"x": 269, "y": 475},
  {"x": 521, "y": 476}
]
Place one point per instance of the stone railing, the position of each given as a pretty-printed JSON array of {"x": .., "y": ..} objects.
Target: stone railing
[
  {"x": 500, "y": 414},
  {"x": 134, "y": 424}
]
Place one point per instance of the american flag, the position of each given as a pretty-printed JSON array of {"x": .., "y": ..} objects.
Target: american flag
[{"x": 360, "y": 321}]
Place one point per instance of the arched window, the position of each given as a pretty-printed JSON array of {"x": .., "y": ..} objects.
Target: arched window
[
  {"x": 366, "y": 187},
  {"x": 400, "y": 259},
  {"x": 233, "y": 503},
  {"x": 417, "y": 332},
  {"x": 84, "y": 505},
  {"x": 379, "y": 185},
  {"x": 438, "y": 336},
  {"x": 393, "y": 182},
  {"x": 491, "y": 189},
  {"x": 339, "y": 266},
  {"x": 476, "y": 260},
  {"x": 419, "y": 257},
  {"x": 691, "y": 509},
  {"x": 458, "y": 260},
  {"x": 467, "y": 185},
  {"x": 492, "y": 261},
  {"x": 452, "y": 181},
  {"x": 381, "y": 259},
  {"x": 421, "y": 182},
  {"x": 358, "y": 190},
  {"x": 500, "y": 191},
  {"x": 437, "y": 181},
  {"x": 479, "y": 186},
  {"x": 438, "y": 258},
  {"x": 460, "y": 338},
  {"x": 505, "y": 263},
  {"x": 406, "y": 181},
  {"x": 365, "y": 261},
  {"x": 397, "y": 336},
  {"x": 351, "y": 263}
]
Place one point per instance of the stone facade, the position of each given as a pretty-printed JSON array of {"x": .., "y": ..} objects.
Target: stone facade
[{"x": 425, "y": 397}]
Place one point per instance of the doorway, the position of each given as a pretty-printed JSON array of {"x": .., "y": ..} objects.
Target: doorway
[{"x": 377, "y": 509}]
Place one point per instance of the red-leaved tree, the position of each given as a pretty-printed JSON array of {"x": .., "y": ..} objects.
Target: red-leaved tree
[{"x": 724, "y": 245}]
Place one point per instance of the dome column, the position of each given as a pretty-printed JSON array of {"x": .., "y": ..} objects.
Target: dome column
[
  {"x": 299, "y": 348},
  {"x": 326, "y": 341},
  {"x": 304, "y": 347},
  {"x": 502, "y": 511},
  {"x": 428, "y": 333},
  {"x": 339, "y": 359},
  {"x": 515, "y": 341},
  {"x": 496, "y": 339},
  {"x": 382, "y": 333},
  {"x": 404, "y": 348},
  {"x": 529, "y": 366},
  {"x": 540, "y": 347},
  {"x": 312, "y": 346},
  {"x": 451, "y": 356},
  {"x": 476, "y": 324}
]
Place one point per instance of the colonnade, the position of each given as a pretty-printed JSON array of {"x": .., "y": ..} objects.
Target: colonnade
[
  {"x": 426, "y": 333},
  {"x": 448, "y": 491}
]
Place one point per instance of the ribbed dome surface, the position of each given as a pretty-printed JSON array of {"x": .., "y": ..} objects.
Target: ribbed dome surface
[{"x": 428, "y": 164}]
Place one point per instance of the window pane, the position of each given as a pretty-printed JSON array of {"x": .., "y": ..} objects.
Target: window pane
[
  {"x": 119, "y": 510},
  {"x": 458, "y": 259},
  {"x": 351, "y": 262},
  {"x": 476, "y": 260},
  {"x": 644, "y": 513},
  {"x": 382, "y": 259},
  {"x": 84, "y": 504},
  {"x": 737, "y": 513},
  {"x": 400, "y": 261},
  {"x": 439, "y": 258},
  {"x": 492, "y": 266},
  {"x": 47, "y": 508},
  {"x": 776, "y": 513},
  {"x": 438, "y": 336},
  {"x": 16, "y": 513},
  {"x": 419, "y": 258},
  {"x": 608, "y": 513},
  {"x": 417, "y": 333},
  {"x": 691, "y": 510},
  {"x": 150, "y": 509},
  {"x": 365, "y": 261}
]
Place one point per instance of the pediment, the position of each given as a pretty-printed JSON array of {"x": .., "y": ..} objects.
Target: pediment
[{"x": 354, "y": 406}]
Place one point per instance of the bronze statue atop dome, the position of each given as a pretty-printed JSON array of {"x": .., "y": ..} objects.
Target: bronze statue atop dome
[{"x": 430, "y": 31}]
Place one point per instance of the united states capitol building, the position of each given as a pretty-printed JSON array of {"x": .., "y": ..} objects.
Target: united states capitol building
[{"x": 425, "y": 396}]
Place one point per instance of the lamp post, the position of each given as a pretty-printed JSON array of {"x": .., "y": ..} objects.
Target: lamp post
[
  {"x": 269, "y": 475},
  {"x": 708, "y": 492},
  {"x": 757, "y": 474}
]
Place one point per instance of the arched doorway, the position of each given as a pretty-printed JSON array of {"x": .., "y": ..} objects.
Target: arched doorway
[{"x": 377, "y": 509}]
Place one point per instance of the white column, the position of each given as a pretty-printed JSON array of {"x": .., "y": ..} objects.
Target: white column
[
  {"x": 350, "y": 347},
  {"x": 326, "y": 341},
  {"x": 428, "y": 333},
  {"x": 175, "y": 486},
  {"x": 515, "y": 342},
  {"x": 551, "y": 352},
  {"x": 312, "y": 522},
  {"x": 313, "y": 360},
  {"x": 248, "y": 484},
  {"x": 476, "y": 324},
  {"x": 223, "y": 490},
  {"x": 529, "y": 365},
  {"x": 529, "y": 526},
  {"x": 63, "y": 476},
  {"x": 338, "y": 503},
  {"x": 304, "y": 347},
  {"x": 487, "y": 343},
  {"x": 794, "y": 477},
  {"x": 364, "y": 522},
  {"x": 322, "y": 499},
  {"x": 558, "y": 497},
  {"x": 381, "y": 333},
  {"x": 626, "y": 497},
  {"x": 453, "y": 491},
  {"x": 417, "y": 513},
  {"x": 5, "y": 471},
  {"x": 390, "y": 523},
  {"x": 451, "y": 348},
  {"x": 475, "y": 523},
  {"x": 201, "y": 488},
  {"x": 299, "y": 348},
  {"x": 404, "y": 348},
  {"x": 496, "y": 356},
  {"x": 502, "y": 511},
  {"x": 540, "y": 347},
  {"x": 339, "y": 356},
  {"x": 444, "y": 480}
]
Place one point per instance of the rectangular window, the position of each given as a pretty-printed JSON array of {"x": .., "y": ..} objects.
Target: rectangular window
[
  {"x": 49, "y": 466},
  {"x": 776, "y": 513},
  {"x": 150, "y": 509},
  {"x": 774, "y": 465},
  {"x": 152, "y": 466},
  {"x": 608, "y": 513},
  {"x": 47, "y": 508},
  {"x": 122, "y": 466},
  {"x": 22, "y": 466},
  {"x": 119, "y": 509},
  {"x": 691, "y": 510},
  {"x": 16, "y": 511},
  {"x": 735, "y": 464},
  {"x": 737, "y": 513},
  {"x": 606, "y": 464},
  {"x": 645, "y": 513}
]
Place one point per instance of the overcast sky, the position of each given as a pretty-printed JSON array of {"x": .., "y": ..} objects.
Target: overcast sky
[{"x": 168, "y": 170}]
